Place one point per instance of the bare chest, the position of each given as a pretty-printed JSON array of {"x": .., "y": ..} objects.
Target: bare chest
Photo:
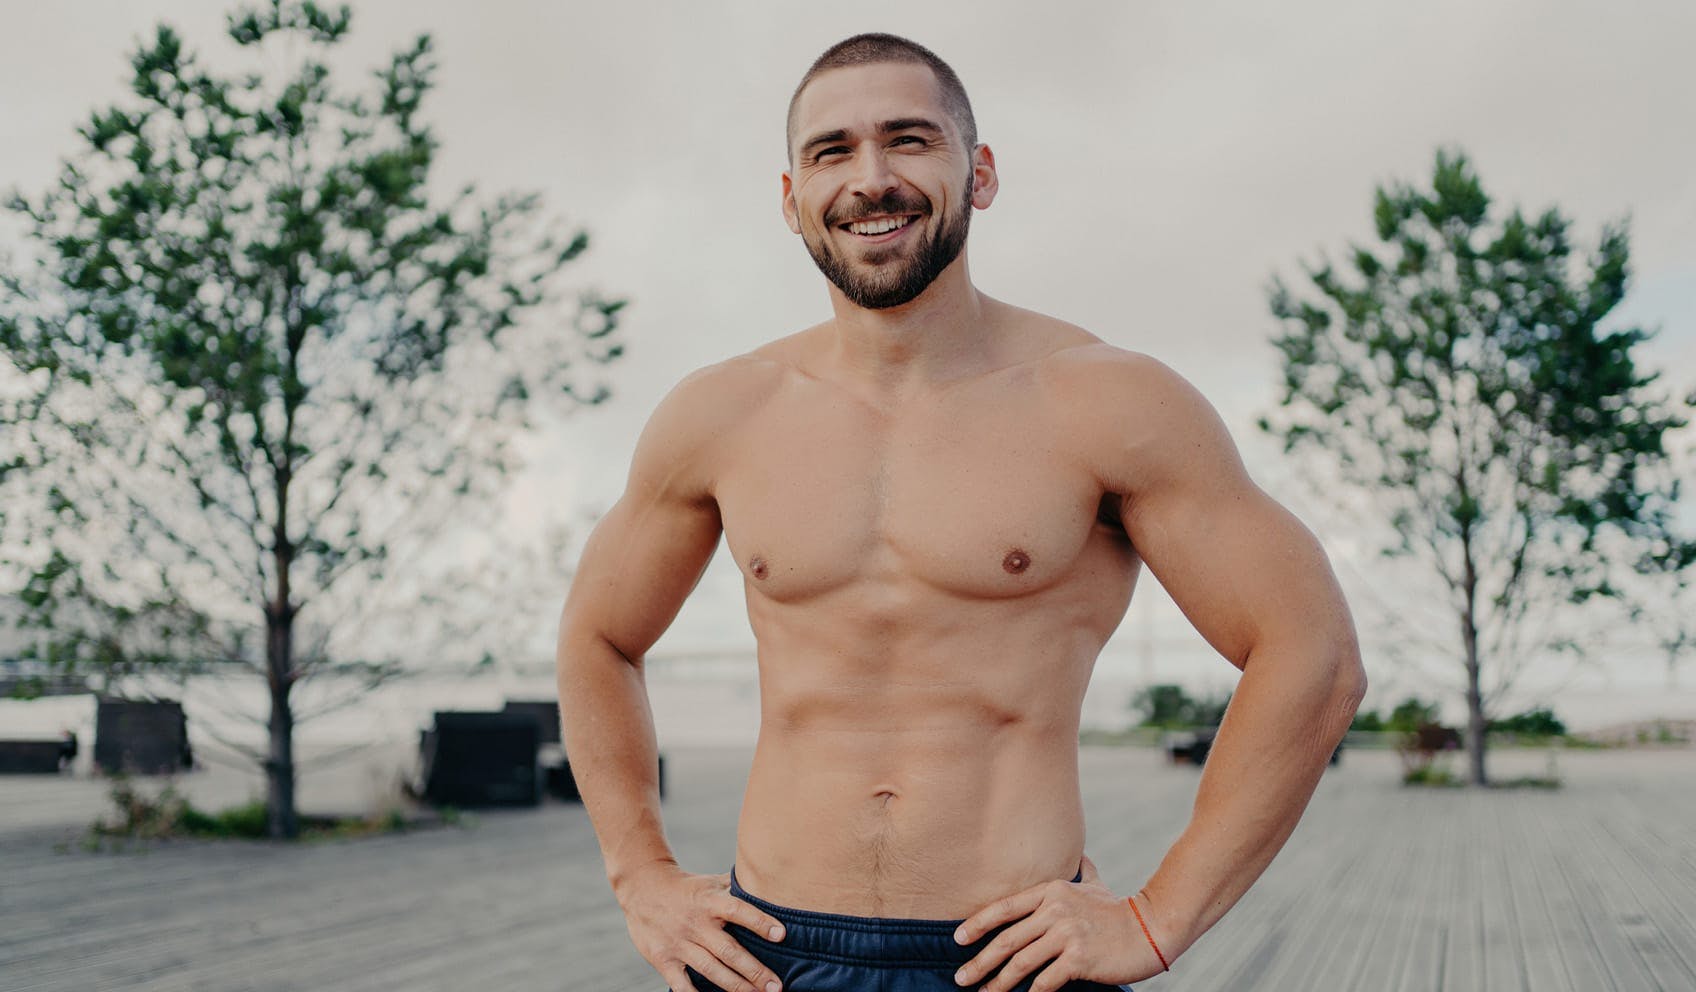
[{"x": 976, "y": 499}]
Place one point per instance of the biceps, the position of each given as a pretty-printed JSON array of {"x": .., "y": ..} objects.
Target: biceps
[
  {"x": 641, "y": 562},
  {"x": 1241, "y": 567}
]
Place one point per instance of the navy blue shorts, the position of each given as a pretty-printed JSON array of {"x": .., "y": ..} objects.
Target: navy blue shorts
[{"x": 825, "y": 952}]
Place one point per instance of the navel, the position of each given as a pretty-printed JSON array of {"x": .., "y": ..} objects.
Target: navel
[
  {"x": 757, "y": 566},
  {"x": 1015, "y": 562}
]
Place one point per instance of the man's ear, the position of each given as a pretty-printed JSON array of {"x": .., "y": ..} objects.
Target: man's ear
[
  {"x": 791, "y": 214},
  {"x": 985, "y": 182}
]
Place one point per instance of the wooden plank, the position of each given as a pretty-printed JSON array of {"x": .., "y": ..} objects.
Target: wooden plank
[
  {"x": 1464, "y": 930},
  {"x": 1378, "y": 960},
  {"x": 1539, "y": 944},
  {"x": 1436, "y": 815},
  {"x": 1557, "y": 848},
  {"x": 1501, "y": 945}
]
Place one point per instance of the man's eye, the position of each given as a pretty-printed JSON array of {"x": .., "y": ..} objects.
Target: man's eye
[
  {"x": 833, "y": 150},
  {"x": 908, "y": 137}
]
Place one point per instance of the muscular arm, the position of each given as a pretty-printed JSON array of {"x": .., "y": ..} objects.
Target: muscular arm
[
  {"x": 1258, "y": 587},
  {"x": 643, "y": 559},
  {"x": 640, "y": 563}
]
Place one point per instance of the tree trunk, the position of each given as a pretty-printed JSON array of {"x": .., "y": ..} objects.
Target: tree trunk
[
  {"x": 1474, "y": 694},
  {"x": 281, "y": 820},
  {"x": 1474, "y": 713}
]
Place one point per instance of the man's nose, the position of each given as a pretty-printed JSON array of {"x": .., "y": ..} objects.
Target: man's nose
[{"x": 872, "y": 176}]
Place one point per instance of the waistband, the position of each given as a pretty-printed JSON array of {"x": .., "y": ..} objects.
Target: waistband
[{"x": 872, "y": 942}]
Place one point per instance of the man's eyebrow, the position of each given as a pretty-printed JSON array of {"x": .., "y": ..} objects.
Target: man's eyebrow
[
  {"x": 909, "y": 124},
  {"x": 825, "y": 138}
]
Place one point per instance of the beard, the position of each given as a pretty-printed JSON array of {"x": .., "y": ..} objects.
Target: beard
[{"x": 884, "y": 278}]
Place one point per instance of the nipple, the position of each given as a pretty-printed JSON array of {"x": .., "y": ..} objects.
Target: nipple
[
  {"x": 1015, "y": 562},
  {"x": 757, "y": 565}
]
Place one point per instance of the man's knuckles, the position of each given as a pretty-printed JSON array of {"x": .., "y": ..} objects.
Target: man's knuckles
[
  {"x": 996, "y": 913},
  {"x": 750, "y": 918}
]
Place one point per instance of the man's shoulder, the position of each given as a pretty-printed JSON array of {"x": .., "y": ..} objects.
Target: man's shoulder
[
  {"x": 743, "y": 383},
  {"x": 1091, "y": 371},
  {"x": 753, "y": 374},
  {"x": 728, "y": 385},
  {"x": 1085, "y": 378},
  {"x": 712, "y": 401},
  {"x": 1127, "y": 413}
]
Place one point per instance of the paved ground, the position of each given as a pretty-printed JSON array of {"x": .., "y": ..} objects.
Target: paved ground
[{"x": 1382, "y": 889}]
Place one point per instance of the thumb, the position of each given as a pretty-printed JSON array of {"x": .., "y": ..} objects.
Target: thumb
[{"x": 1090, "y": 874}]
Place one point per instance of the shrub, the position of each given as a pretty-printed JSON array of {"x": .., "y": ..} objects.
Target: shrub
[
  {"x": 140, "y": 816},
  {"x": 246, "y": 820},
  {"x": 1430, "y": 774},
  {"x": 1539, "y": 722},
  {"x": 169, "y": 814}
]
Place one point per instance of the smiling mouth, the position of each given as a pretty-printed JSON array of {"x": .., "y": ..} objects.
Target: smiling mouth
[{"x": 878, "y": 225}]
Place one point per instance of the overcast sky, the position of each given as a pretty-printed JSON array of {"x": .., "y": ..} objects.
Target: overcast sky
[{"x": 1158, "y": 162}]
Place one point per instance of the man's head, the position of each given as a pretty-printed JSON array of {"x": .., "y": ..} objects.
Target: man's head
[
  {"x": 882, "y": 49},
  {"x": 884, "y": 168}
]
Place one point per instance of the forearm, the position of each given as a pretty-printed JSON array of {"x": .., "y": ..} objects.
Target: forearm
[
  {"x": 1286, "y": 717},
  {"x": 608, "y": 730}
]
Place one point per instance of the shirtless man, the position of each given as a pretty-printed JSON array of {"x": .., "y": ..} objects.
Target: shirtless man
[{"x": 939, "y": 504}]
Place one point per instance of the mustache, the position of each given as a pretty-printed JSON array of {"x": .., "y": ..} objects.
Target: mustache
[{"x": 892, "y": 203}]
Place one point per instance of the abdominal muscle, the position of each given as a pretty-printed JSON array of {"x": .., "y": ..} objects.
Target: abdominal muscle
[{"x": 912, "y": 799}]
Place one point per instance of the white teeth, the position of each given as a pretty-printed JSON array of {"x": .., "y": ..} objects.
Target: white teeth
[{"x": 883, "y": 226}]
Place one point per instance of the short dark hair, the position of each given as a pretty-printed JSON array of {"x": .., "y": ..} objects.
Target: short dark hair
[{"x": 875, "y": 48}]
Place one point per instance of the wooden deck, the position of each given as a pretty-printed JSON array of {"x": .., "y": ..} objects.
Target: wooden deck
[{"x": 1592, "y": 887}]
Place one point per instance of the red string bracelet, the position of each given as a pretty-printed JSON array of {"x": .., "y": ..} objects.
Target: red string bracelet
[{"x": 1150, "y": 936}]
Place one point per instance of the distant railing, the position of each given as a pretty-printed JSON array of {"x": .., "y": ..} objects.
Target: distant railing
[{"x": 33, "y": 686}]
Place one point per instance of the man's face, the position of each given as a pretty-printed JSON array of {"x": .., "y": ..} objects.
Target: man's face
[{"x": 881, "y": 187}]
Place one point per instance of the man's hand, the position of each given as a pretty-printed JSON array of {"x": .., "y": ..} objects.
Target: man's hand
[
  {"x": 1085, "y": 930},
  {"x": 677, "y": 919}
]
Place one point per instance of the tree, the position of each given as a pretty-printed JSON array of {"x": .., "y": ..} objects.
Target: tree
[
  {"x": 1459, "y": 378},
  {"x": 1163, "y": 706},
  {"x": 256, "y": 374},
  {"x": 1410, "y": 714},
  {"x": 1167, "y": 706},
  {"x": 1368, "y": 722},
  {"x": 1669, "y": 619}
]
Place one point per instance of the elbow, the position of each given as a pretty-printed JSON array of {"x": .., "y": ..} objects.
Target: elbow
[
  {"x": 1350, "y": 694},
  {"x": 1348, "y": 679}
]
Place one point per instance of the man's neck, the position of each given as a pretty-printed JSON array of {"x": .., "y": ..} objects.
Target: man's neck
[{"x": 941, "y": 335}]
